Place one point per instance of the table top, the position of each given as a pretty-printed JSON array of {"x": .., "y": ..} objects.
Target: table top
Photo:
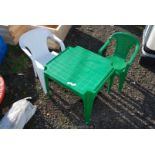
[{"x": 79, "y": 69}]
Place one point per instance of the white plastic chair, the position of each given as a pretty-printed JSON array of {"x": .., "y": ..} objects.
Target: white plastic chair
[{"x": 34, "y": 44}]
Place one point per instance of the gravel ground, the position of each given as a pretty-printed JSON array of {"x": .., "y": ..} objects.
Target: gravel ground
[{"x": 133, "y": 108}]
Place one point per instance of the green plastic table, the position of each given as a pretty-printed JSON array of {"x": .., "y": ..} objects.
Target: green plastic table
[{"x": 81, "y": 71}]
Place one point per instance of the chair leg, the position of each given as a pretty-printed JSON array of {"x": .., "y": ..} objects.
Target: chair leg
[
  {"x": 88, "y": 105},
  {"x": 110, "y": 83},
  {"x": 46, "y": 84},
  {"x": 42, "y": 79},
  {"x": 121, "y": 82}
]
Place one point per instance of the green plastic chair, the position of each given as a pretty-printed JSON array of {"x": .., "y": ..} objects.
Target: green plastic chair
[{"x": 123, "y": 43}]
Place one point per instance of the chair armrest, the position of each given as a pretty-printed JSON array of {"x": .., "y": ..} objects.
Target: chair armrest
[
  {"x": 57, "y": 40},
  {"x": 134, "y": 54},
  {"x": 105, "y": 45}
]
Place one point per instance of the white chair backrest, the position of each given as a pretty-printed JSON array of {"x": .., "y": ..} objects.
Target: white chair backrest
[{"x": 36, "y": 42}]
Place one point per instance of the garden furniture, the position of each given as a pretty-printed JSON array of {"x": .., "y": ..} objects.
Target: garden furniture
[
  {"x": 35, "y": 44},
  {"x": 124, "y": 44},
  {"x": 81, "y": 71}
]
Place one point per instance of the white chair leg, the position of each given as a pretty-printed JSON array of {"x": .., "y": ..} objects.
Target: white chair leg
[{"x": 42, "y": 79}]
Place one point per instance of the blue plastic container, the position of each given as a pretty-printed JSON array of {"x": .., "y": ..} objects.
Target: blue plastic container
[{"x": 3, "y": 50}]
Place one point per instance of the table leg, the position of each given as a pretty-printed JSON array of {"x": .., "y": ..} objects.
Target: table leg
[
  {"x": 88, "y": 101},
  {"x": 110, "y": 83}
]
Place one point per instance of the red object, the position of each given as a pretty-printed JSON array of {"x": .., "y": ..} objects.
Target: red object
[{"x": 2, "y": 89}]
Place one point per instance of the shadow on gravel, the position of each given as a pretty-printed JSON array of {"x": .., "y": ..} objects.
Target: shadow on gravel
[
  {"x": 148, "y": 106},
  {"x": 123, "y": 112},
  {"x": 148, "y": 63},
  {"x": 76, "y": 37},
  {"x": 39, "y": 122},
  {"x": 119, "y": 115},
  {"x": 74, "y": 111}
]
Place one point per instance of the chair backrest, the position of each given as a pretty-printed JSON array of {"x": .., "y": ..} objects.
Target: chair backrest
[
  {"x": 36, "y": 41},
  {"x": 124, "y": 42}
]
